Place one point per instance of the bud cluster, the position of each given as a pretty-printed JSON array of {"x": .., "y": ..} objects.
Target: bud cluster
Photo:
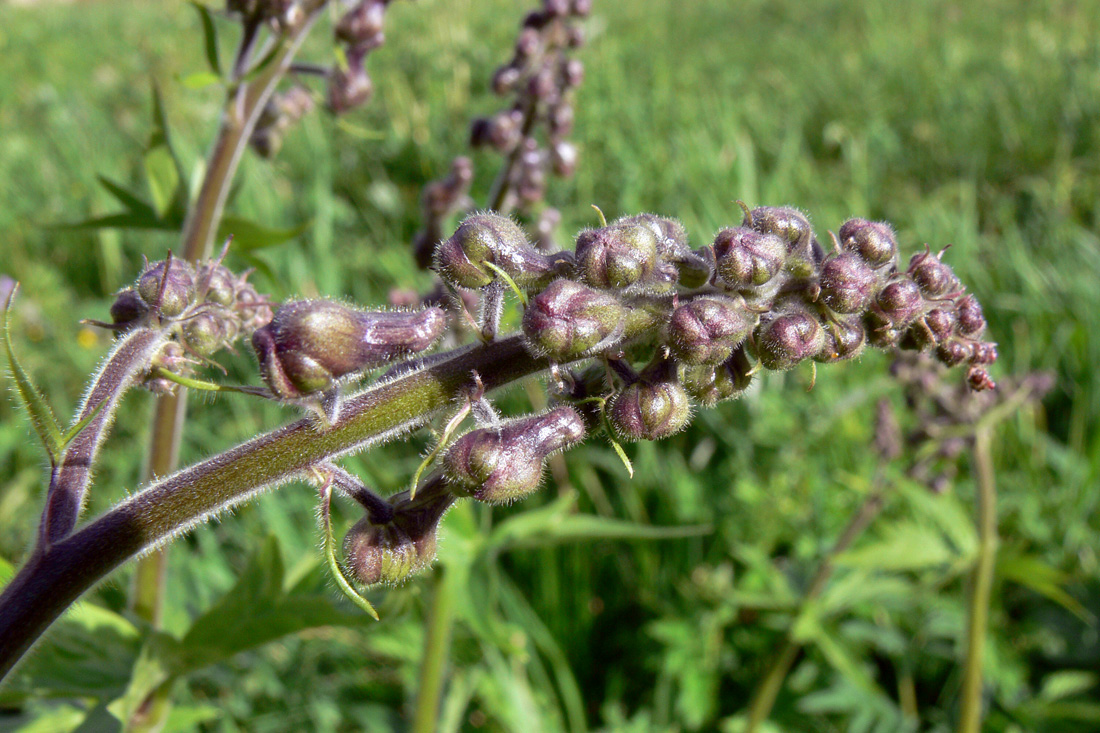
[
  {"x": 540, "y": 79},
  {"x": 281, "y": 112},
  {"x": 359, "y": 31},
  {"x": 205, "y": 309},
  {"x": 281, "y": 15}
]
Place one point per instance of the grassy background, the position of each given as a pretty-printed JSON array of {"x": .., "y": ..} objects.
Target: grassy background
[{"x": 976, "y": 125}]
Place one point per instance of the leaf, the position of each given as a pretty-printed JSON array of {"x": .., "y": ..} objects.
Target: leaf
[
  {"x": 163, "y": 178},
  {"x": 127, "y": 198},
  {"x": 32, "y": 400},
  {"x": 209, "y": 37},
  {"x": 248, "y": 235},
  {"x": 1034, "y": 574},
  {"x": 169, "y": 188},
  {"x": 200, "y": 80},
  {"x": 124, "y": 220},
  {"x": 75, "y": 430},
  {"x": 904, "y": 546}
]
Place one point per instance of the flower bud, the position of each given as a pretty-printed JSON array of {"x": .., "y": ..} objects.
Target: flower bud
[
  {"x": 481, "y": 238},
  {"x": 563, "y": 159},
  {"x": 567, "y": 321},
  {"x": 955, "y": 352},
  {"x": 745, "y": 259},
  {"x": 128, "y": 308},
  {"x": 617, "y": 256},
  {"x": 501, "y": 465},
  {"x": 713, "y": 384},
  {"x": 395, "y": 551},
  {"x": 984, "y": 354},
  {"x": 844, "y": 339},
  {"x": 348, "y": 88},
  {"x": 205, "y": 333},
  {"x": 874, "y": 242},
  {"x": 693, "y": 269},
  {"x": 847, "y": 283},
  {"x": 934, "y": 278},
  {"x": 362, "y": 23},
  {"x": 168, "y": 286},
  {"x": 792, "y": 226},
  {"x": 979, "y": 380},
  {"x": 572, "y": 73},
  {"x": 971, "y": 320},
  {"x": 654, "y": 407},
  {"x": 560, "y": 120},
  {"x": 505, "y": 80},
  {"x": 788, "y": 339},
  {"x": 707, "y": 330},
  {"x": 310, "y": 344},
  {"x": 941, "y": 323},
  {"x": 216, "y": 284},
  {"x": 900, "y": 302}
]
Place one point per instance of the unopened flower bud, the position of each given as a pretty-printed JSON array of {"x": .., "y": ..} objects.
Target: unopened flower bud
[
  {"x": 979, "y": 380},
  {"x": 395, "y": 551},
  {"x": 582, "y": 8},
  {"x": 563, "y": 159},
  {"x": 349, "y": 88},
  {"x": 216, "y": 284},
  {"x": 745, "y": 259},
  {"x": 128, "y": 308},
  {"x": 527, "y": 44},
  {"x": 900, "y": 302},
  {"x": 933, "y": 277},
  {"x": 713, "y": 384},
  {"x": 788, "y": 339},
  {"x": 505, "y": 130},
  {"x": 941, "y": 323},
  {"x": 572, "y": 73},
  {"x": 955, "y": 352},
  {"x": 491, "y": 238},
  {"x": 984, "y": 354},
  {"x": 617, "y": 256},
  {"x": 567, "y": 321},
  {"x": 501, "y": 465},
  {"x": 505, "y": 79},
  {"x": 847, "y": 283},
  {"x": 204, "y": 333},
  {"x": 844, "y": 339},
  {"x": 971, "y": 320},
  {"x": 792, "y": 226},
  {"x": 362, "y": 23},
  {"x": 560, "y": 121},
  {"x": 310, "y": 344},
  {"x": 654, "y": 407},
  {"x": 556, "y": 8},
  {"x": 874, "y": 242},
  {"x": 168, "y": 286},
  {"x": 707, "y": 330}
]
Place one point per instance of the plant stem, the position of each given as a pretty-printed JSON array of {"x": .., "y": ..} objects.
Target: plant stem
[
  {"x": 763, "y": 699},
  {"x": 437, "y": 644},
  {"x": 970, "y": 711}
]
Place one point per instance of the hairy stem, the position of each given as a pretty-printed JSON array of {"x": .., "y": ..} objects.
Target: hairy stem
[
  {"x": 763, "y": 698},
  {"x": 970, "y": 711}
]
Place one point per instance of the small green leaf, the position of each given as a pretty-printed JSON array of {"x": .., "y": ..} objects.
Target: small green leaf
[
  {"x": 330, "y": 557},
  {"x": 129, "y": 199},
  {"x": 1035, "y": 575},
  {"x": 163, "y": 178},
  {"x": 39, "y": 411},
  {"x": 248, "y": 235},
  {"x": 904, "y": 546},
  {"x": 209, "y": 37},
  {"x": 76, "y": 429},
  {"x": 623, "y": 457},
  {"x": 200, "y": 80},
  {"x": 149, "y": 220}
]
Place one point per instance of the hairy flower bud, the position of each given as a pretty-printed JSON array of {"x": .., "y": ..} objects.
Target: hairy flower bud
[
  {"x": 654, "y": 407},
  {"x": 955, "y": 352},
  {"x": 970, "y": 318},
  {"x": 844, "y": 339},
  {"x": 500, "y": 465},
  {"x": 792, "y": 226},
  {"x": 496, "y": 239},
  {"x": 567, "y": 321},
  {"x": 900, "y": 303},
  {"x": 787, "y": 339},
  {"x": 874, "y": 242},
  {"x": 205, "y": 333},
  {"x": 128, "y": 308},
  {"x": 693, "y": 269},
  {"x": 933, "y": 277},
  {"x": 168, "y": 286},
  {"x": 746, "y": 259},
  {"x": 847, "y": 283},
  {"x": 310, "y": 344},
  {"x": 707, "y": 330},
  {"x": 398, "y": 549},
  {"x": 362, "y": 23},
  {"x": 618, "y": 256},
  {"x": 348, "y": 88},
  {"x": 713, "y": 384}
]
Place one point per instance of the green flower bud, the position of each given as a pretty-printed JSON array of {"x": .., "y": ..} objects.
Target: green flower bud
[
  {"x": 481, "y": 238},
  {"x": 745, "y": 259},
  {"x": 395, "y": 551},
  {"x": 713, "y": 384},
  {"x": 217, "y": 282},
  {"x": 874, "y": 242},
  {"x": 167, "y": 286},
  {"x": 205, "y": 333},
  {"x": 654, "y": 407},
  {"x": 567, "y": 321},
  {"x": 503, "y": 464},
  {"x": 847, "y": 283},
  {"x": 618, "y": 256},
  {"x": 788, "y": 339},
  {"x": 694, "y": 269},
  {"x": 310, "y": 344},
  {"x": 707, "y": 330}
]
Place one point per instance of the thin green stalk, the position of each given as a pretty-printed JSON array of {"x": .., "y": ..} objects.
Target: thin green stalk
[
  {"x": 763, "y": 698},
  {"x": 970, "y": 710},
  {"x": 437, "y": 645}
]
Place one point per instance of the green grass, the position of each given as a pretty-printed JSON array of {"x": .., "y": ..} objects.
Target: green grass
[{"x": 975, "y": 125}]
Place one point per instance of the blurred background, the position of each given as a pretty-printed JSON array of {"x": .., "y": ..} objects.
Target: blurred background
[{"x": 970, "y": 124}]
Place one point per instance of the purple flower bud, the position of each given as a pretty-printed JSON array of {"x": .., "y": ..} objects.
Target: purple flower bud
[
  {"x": 971, "y": 320},
  {"x": 847, "y": 283},
  {"x": 168, "y": 286},
  {"x": 707, "y": 330},
  {"x": 844, "y": 339},
  {"x": 985, "y": 354},
  {"x": 792, "y": 226},
  {"x": 567, "y": 321},
  {"x": 563, "y": 159},
  {"x": 941, "y": 323},
  {"x": 713, "y": 384},
  {"x": 501, "y": 465},
  {"x": 312, "y": 343},
  {"x": 787, "y": 339},
  {"x": 582, "y": 8},
  {"x": 481, "y": 132},
  {"x": 560, "y": 120},
  {"x": 900, "y": 302},
  {"x": 874, "y": 242},
  {"x": 527, "y": 44},
  {"x": 348, "y": 88},
  {"x": 505, "y": 79},
  {"x": 505, "y": 130},
  {"x": 934, "y": 278},
  {"x": 572, "y": 73},
  {"x": 575, "y": 35},
  {"x": 617, "y": 256},
  {"x": 395, "y": 551},
  {"x": 557, "y": 8},
  {"x": 216, "y": 283},
  {"x": 128, "y": 309},
  {"x": 654, "y": 407},
  {"x": 745, "y": 259},
  {"x": 955, "y": 352},
  {"x": 979, "y": 380},
  {"x": 362, "y": 23},
  {"x": 482, "y": 238},
  {"x": 543, "y": 85}
]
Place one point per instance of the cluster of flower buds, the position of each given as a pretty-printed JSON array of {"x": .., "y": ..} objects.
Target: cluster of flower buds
[
  {"x": 438, "y": 201},
  {"x": 282, "y": 111},
  {"x": 359, "y": 32},
  {"x": 310, "y": 345},
  {"x": 540, "y": 79},
  {"x": 205, "y": 309},
  {"x": 282, "y": 15}
]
